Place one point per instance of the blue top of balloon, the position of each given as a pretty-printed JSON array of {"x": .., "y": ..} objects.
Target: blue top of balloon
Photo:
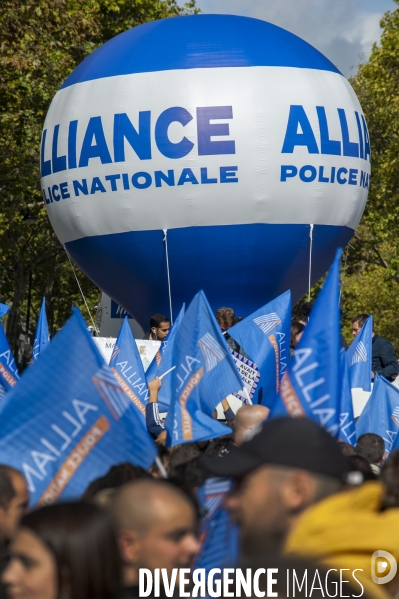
[{"x": 199, "y": 41}]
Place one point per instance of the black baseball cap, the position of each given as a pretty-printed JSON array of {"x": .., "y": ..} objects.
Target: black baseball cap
[{"x": 294, "y": 442}]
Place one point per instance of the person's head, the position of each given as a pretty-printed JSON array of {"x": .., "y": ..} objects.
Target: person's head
[
  {"x": 306, "y": 309},
  {"x": 347, "y": 449},
  {"x": 247, "y": 421},
  {"x": 179, "y": 456},
  {"x": 360, "y": 464},
  {"x": 390, "y": 477},
  {"x": 219, "y": 446},
  {"x": 65, "y": 550},
  {"x": 159, "y": 325},
  {"x": 358, "y": 322},
  {"x": 289, "y": 465},
  {"x": 157, "y": 528},
  {"x": 117, "y": 475},
  {"x": 14, "y": 499},
  {"x": 371, "y": 447},
  {"x": 297, "y": 329},
  {"x": 194, "y": 474},
  {"x": 225, "y": 318}
]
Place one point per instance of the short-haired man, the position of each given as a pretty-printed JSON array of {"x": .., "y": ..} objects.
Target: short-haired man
[
  {"x": 372, "y": 447},
  {"x": 384, "y": 361},
  {"x": 159, "y": 327},
  {"x": 157, "y": 528},
  {"x": 14, "y": 499},
  {"x": 288, "y": 466}
]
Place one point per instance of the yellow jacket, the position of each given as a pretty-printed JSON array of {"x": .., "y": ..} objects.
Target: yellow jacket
[{"x": 344, "y": 530}]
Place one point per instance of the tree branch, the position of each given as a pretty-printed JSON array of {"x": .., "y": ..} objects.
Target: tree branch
[{"x": 382, "y": 261}]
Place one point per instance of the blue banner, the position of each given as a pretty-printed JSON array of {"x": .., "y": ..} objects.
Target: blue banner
[
  {"x": 205, "y": 374},
  {"x": 311, "y": 385},
  {"x": 67, "y": 421},
  {"x": 42, "y": 338},
  {"x": 265, "y": 337},
  {"x": 186, "y": 423},
  {"x": 128, "y": 368},
  {"x": 163, "y": 362},
  {"x": 218, "y": 533},
  {"x": 381, "y": 414},
  {"x": 347, "y": 430},
  {"x": 4, "y": 309},
  {"x": 9, "y": 375},
  {"x": 359, "y": 356}
]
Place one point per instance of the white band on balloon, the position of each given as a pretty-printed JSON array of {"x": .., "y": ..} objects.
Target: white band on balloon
[{"x": 264, "y": 183}]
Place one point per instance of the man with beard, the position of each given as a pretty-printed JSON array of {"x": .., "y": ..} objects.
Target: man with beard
[{"x": 286, "y": 467}]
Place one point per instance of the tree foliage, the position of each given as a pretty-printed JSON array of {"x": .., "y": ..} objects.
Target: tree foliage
[
  {"x": 371, "y": 277},
  {"x": 41, "y": 42}
]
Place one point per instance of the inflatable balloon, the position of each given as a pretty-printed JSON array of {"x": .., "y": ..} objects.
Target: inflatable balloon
[{"x": 202, "y": 151}]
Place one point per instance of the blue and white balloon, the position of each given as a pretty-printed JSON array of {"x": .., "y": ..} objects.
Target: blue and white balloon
[{"x": 233, "y": 135}]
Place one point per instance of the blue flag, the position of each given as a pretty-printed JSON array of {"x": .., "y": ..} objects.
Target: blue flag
[
  {"x": 42, "y": 338},
  {"x": 205, "y": 374},
  {"x": 381, "y": 414},
  {"x": 311, "y": 385},
  {"x": 9, "y": 375},
  {"x": 218, "y": 534},
  {"x": 67, "y": 421},
  {"x": 4, "y": 309},
  {"x": 128, "y": 368},
  {"x": 163, "y": 362},
  {"x": 186, "y": 423},
  {"x": 265, "y": 337},
  {"x": 359, "y": 357},
  {"x": 347, "y": 430}
]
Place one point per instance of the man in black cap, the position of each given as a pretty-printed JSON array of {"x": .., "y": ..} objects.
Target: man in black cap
[{"x": 286, "y": 467}]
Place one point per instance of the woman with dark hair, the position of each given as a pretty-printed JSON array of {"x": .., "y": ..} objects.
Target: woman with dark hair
[
  {"x": 297, "y": 328},
  {"x": 64, "y": 551}
]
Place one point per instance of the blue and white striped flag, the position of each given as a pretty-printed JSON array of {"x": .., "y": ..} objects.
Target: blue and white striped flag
[
  {"x": 265, "y": 337},
  {"x": 68, "y": 420},
  {"x": 205, "y": 374},
  {"x": 218, "y": 533},
  {"x": 163, "y": 363},
  {"x": 359, "y": 357}
]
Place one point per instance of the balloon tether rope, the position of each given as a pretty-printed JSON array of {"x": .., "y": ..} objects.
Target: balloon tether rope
[
  {"x": 81, "y": 291},
  {"x": 165, "y": 239},
  {"x": 310, "y": 259}
]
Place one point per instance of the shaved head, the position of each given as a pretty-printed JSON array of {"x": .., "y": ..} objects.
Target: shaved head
[
  {"x": 142, "y": 504},
  {"x": 248, "y": 419},
  {"x": 157, "y": 527}
]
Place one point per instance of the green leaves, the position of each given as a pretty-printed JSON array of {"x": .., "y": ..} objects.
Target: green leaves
[
  {"x": 42, "y": 41},
  {"x": 371, "y": 282}
]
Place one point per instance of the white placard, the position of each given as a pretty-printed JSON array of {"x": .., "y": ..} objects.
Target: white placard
[
  {"x": 147, "y": 349},
  {"x": 250, "y": 376}
]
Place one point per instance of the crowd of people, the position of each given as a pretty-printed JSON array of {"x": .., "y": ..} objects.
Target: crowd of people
[
  {"x": 298, "y": 495},
  {"x": 299, "y": 498}
]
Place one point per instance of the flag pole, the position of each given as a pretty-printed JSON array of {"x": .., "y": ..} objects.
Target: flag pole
[{"x": 167, "y": 372}]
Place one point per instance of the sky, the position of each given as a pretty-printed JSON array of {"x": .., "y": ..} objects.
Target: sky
[{"x": 343, "y": 30}]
